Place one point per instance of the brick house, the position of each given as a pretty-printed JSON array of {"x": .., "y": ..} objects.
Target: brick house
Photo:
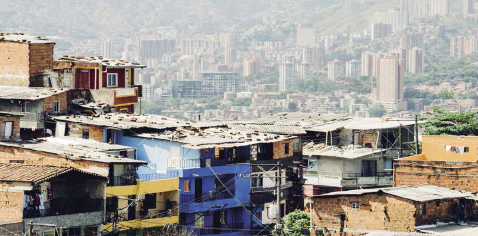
[
  {"x": 398, "y": 209},
  {"x": 25, "y": 61},
  {"x": 69, "y": 198},
  {"x": 33, "y": 104},
  {"x": 446, "y": 161},
  {"x": 10, "y": 125},
  {"x": 109, "y": 81}
]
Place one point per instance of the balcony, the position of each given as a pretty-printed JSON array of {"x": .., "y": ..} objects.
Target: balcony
[
  {"x": 358, "y": 180},
  {"x": 158, "y": 176},
  {"x": 213, "y": 162},
  {"x": 184, "y": 163},
  {"x": 224, "y": 229},
  {"x": 32, "y": 120},
  {"x": 123, "y": 180}
]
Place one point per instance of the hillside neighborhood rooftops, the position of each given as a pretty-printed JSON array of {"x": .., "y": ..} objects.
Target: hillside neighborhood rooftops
[{"x": 360, "y": 124}]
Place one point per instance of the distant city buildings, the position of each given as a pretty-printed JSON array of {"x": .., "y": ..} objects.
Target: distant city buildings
[
  {"x": 468, "y": 6},
  {"x": 315, "y": 56},
  {"x": 156, "y": 48},
  {"x": 353, "y": 69},
  {"x": 390, "y": 83},
  {"x": 288, "y": 74},
  {"x": 415, "y": 61},
  {"x": 251, "y": 65},
  {"x": 336, "y": 69},
  {"x": 381, "y": 30},
  {"x": 463, "y": 45}
]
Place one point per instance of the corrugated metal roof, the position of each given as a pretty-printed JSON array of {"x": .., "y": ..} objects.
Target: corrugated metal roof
[
  {"x": 418, "y": 193},
  {"x": 360, "y": 124},
  {"x": 269, "y": 128},
  {"x": 35, "y": 174},
  {"x": 25, "y": 93},
  {"x": 348, "y": 152}
]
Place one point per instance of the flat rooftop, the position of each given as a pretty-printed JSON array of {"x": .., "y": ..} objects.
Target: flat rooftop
[{"x": 26, "y": 93}]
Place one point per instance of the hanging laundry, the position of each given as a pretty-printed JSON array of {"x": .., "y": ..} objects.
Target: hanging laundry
[{"x": 447, "y": 147}]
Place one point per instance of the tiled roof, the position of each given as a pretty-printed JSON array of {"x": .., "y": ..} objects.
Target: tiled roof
[{"x": 35, "y": 174}]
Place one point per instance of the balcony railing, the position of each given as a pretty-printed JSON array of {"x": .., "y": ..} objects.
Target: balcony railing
[
  {"x": 359, "y": 179},
  {"x": 213, "y": 162},
  {"x": 357, "y": 175},
  {"x": 184, "y": 163},
  {"x": 155, "y": 176},
  {"x": 223, "y": 229},
  {"x": 123, "y": 180},
  {"x": 66, "y": 206}
]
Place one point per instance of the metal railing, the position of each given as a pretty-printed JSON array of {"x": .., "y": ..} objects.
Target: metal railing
[
  {"x": 155, "y": 176},
  {"x": 123, "y": 180},
  {"x": 359, "y": 175},
  {"x": 66, "y": 206},
  {"x": 228, "y": 228},
  {"x": 213, "y": 162},
  {"x": 184, "y": 163},
  {"x": 261, "y": 189}
]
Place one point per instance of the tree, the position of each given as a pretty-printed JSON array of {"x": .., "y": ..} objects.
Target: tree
[
  {"x": 292, "y": 107},
  {"x": 448, "y": 123},
  {"x": 296, "y": 223},
  {"x": 377, "y": 111}
]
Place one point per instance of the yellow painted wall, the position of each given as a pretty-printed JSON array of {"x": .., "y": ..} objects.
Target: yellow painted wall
[
  {"x": 434, "y": 148},
  {"x": 157, "y": 186},
  {"x": 146, "y": 223}
]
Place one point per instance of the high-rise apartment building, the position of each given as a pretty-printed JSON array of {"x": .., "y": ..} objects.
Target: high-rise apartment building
[
  {"x": 415, "y": 61},
  {"x": 417, "y": 9},
  {"x": 155, "y": 48},
  {"x": 229, "y": 45},
  {"x": 251, "y": 65},
  {"x": 353, "y": 69},
  {"x": 392, "y": 17},
  {"x": 381, "y": 30},
  {"x": 315, "y": 56},
  {"x": 409, "y": 40},
  {"x": 463, "y": 45},
  {"x": 468, "y": 6},
  {"x": 390, "y": 86},
  {"x": 304, "y": 70},
  {"x": 335, "y": 69},
  {"x": 206, "y": 45},
  {"x": 306, "y": 37},
  {"x": 217, "y": 83},
  {"x": 106, "y": 49},
  {"x": 287, "y": 74}
]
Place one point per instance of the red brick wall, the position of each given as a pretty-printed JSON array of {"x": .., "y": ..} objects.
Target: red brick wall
[
  {"x": 8, "y": 154},
  {"x": 41, "y": 58},
  {"x": 375, "y": 212},
  {"x": 95, "y": 132},
  {"x": 368, "y": 137},
  {"x": 279, "y": 149},
  {"x": 16, "y": 124},
  {"x": 14, "y": 64},
  {"x": 49, "y": 103},
  {"x": 11, "y": 206},
  {"x": 457, "y": 175}
]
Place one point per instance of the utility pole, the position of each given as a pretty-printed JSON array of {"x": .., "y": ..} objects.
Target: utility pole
[
  {"x": 416, "y": 134},
  {"x": 278, "y": 182}
]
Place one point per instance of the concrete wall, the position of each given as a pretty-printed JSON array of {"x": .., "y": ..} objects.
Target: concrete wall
[{"x": 68, "y": 221}]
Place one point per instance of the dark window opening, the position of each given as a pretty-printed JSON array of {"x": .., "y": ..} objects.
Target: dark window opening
[
  {"x": 286, "y": 147},
  {"x": 86, "y": 133},
  {"x": 369, "y": 168}
]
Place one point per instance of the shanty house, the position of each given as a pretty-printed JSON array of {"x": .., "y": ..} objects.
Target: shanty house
[{"x": 50, "y": 199}]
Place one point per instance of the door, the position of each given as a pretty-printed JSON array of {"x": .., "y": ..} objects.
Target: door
[
  {"x": 84, "y": 79},
  {"x": 369, "y": 168},
  {"x": 197, "y": 190},
  {"x": 216, "y": 222},
  {"x": 8, "y": 126}
]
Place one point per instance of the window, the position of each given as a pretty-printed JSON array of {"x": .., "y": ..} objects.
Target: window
[
  {"x": 286, "y": 147},
  {"x": 112, "y": 80},
  {"x": 423, "y": 209},
  {"x": 199, "y": 220},
  {"x": 86, "y": 133},
  {"x": 355, "y": 205},
  {"x": 26, "y": 107},
  {"x": 7, "y": 129},
  {"x": 369, "y": 168},
  {"x": 187, "y": 185},
  {"x": 57, "y": 107}
]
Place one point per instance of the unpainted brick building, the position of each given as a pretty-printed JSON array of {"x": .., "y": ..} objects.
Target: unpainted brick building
[
  {"x": 397, "y": 209},
  {"x": 25, "y": 61}
]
